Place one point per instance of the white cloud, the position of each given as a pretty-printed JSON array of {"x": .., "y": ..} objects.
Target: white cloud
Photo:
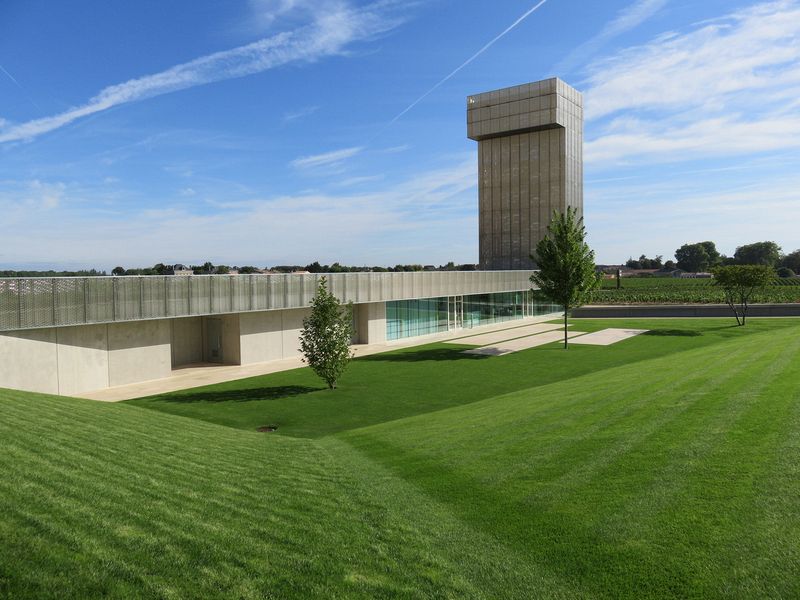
[
  {"x": 333, "y": 27},
  {"x": 396, "y": 149},
  {"x": 350, "y": 181},
  {"x": 629, "y": 18},
  {"x": 657, "y": 218},
  {"x": 299, "y": 113},
  {"x": 710, "y": 137},
  {"x": 726, "y": 87},
  {"x": 429, "y": 217},
  {"x": 326, "y": 159}
]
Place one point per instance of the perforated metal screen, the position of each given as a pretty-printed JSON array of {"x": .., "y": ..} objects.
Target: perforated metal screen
[{"x": 43, "y": 302}]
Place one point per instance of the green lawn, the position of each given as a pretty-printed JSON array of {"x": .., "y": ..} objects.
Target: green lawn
[{"x": 667, "y": 465}]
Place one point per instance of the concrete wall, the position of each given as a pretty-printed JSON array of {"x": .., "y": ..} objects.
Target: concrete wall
[
  {"x": 139, "y": 351},
  {"x": 270, "y": 335},
  {"x": 187, "y": 341},
  {"x": 231, "y": 351},
  {"x": 71, "y": 360},
  {"x": 292, "y": 325},
  {"x": 29, "y": 360},
  {"x": 371, "y": 322},
  {"x": 261, "y": 337},
  {"x": 82, "y": 358}
]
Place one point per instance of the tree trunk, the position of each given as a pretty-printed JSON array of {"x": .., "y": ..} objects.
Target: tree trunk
[{"x": 565, "y": 328}]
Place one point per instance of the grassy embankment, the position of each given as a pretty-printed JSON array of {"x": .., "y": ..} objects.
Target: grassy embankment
[{"x": 664, "y": 466}]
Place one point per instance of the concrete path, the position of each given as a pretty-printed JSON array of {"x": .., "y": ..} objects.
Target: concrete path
[
  {"x": 606, "y": 337},
  {"x": 486, "y": 339},
  {"x": 523, "y": 343},
  {"x": 207, "y": 374}
]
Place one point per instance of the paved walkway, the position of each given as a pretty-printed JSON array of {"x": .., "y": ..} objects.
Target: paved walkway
[
  {"x": 606, "y": 337},
  {"x": 485, "y": 339},
  {"x": 206, "y": 374},
  {"x": 525, "y": 343}
]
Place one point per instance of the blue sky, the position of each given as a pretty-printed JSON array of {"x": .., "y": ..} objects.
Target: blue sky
[{"x": 266, "y": 131}]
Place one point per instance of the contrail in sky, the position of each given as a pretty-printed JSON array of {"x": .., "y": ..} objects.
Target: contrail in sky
[
  {"x": 464, "y": 64},
  {"x": 19, "y": 85}
]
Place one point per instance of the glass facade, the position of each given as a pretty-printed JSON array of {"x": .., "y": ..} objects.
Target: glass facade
[{"x": 410, "y": 318}]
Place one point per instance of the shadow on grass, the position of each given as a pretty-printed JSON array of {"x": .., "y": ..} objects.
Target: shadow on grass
[
  {"x": 673, "y": 332},
  {"x": 432, "y": 354},
  {"x": 240, "y": 395}
]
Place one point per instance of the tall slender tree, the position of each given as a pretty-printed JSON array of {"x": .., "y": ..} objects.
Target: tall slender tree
[
  {"x": 326, "y": 335},
  {"x": 566, "y": 270}
]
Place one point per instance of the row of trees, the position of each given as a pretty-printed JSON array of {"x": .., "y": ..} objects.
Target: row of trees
[
  {"x": 316, "y": 267},
  {"x": 51, "y": 273},
  {"x": 209, "y": 268},
  {"x": 704, "y": 256}
]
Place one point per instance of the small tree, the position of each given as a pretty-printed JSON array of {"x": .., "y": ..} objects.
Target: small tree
[
  {"x": 325, "y": 338},
  {"x": 739, "y": 283},
  {"x": 566, "y": 266}
]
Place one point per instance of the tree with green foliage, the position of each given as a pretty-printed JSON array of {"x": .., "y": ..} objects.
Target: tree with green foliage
[
  {"x": 693, "y": 257},
  {"x": 759, "y": 253},
  {"x": 714, "y": 257},
  {"x": 326, "y": 335},
  {"x": 792, "y": 261},
  {"x": 566, "y": 270},
  {"x": 739, "y": 283}
]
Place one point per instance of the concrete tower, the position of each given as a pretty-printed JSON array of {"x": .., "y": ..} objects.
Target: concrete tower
[{"x": 530, "y": 163}]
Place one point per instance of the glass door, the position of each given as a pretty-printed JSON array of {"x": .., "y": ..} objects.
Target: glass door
[
  {"x": 455, "y": 312},
  {"x": 213, "y": 340}
]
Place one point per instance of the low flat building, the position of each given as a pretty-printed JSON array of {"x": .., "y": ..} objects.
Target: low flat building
[{"x": 71, "y": 335}]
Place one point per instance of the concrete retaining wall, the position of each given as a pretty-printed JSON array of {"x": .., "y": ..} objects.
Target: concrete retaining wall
[
  {"x": 371, "y": 322},
  {"x": 270, "y": 335},
  {"x": 683, "y": 310},
  {"x": 71, "y": 360}
]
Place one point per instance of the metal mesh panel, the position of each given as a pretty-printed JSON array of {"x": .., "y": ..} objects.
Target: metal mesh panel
[
  {"x": 177, "y": 296},
  {"x": 69, "y": 301},
  {"x": 9, "y": 304},
  {"x": 99, "y": 300},
  {"x": 38, "y": 302},
  {"x": 127, "y": 298},
  {"x": 241, "y": 293},
  {"x": 220, "y": 294},
  {"x": 336, "y": 285},
  {"x": 154, "y": 297},
  {"x": 276, "y": 291},
  {"x": 261, "y": 294},
  {"x": 200, "y": 295}
]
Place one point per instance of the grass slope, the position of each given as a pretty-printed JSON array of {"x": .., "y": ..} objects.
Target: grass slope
[
  {"x": 403, "y": 383},
  {"x": 115, "y": 501},
  {"x": 664, "y": 466}
]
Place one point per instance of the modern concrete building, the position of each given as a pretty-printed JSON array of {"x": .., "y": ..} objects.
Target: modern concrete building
[
  {"x": 76, "y": 335},
  {"x": 530, "y": 163},
  {"x": 73, "y": 335}
]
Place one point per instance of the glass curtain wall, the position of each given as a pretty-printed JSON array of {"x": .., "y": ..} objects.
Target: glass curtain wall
[{"x": 409, "y": 318}]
